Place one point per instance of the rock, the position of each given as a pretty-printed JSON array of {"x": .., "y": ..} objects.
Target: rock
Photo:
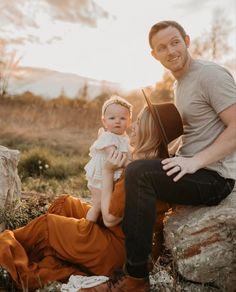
[
  {"x": 10, "y": 184},
  {"x": 202, "y": 241}
]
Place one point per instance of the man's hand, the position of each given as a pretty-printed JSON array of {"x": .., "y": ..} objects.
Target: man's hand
[{"x": 180, "y": 166}]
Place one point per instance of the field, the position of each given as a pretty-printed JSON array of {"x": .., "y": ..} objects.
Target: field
[
  {"x": 59, "y": 132},
  {"x": 54, "y": 133},
  {"x": 53, "y": 137}
]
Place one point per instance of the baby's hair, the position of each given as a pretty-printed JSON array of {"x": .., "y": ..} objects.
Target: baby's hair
[{"x": 116, "y": 99}]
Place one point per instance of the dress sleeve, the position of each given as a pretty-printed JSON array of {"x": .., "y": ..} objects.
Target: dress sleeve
[
  {"x": 125, "y": 144},
  {"x": 106, "y": 139},
  {"x": 117, "y": 204}
]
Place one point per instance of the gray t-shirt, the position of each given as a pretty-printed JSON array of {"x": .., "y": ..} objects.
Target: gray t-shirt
[{"x": 205, "y": 91}]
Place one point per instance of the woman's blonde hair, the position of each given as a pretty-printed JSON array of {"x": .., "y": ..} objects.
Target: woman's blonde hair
[{"x": 148, "y": 139}]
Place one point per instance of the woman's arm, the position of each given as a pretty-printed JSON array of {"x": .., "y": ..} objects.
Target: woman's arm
[
  {"x": 172, "y": 148},
  {"x": 114, "y": 161}
]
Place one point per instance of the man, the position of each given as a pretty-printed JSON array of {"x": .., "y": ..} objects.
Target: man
[{"x": 203, "y": 170}]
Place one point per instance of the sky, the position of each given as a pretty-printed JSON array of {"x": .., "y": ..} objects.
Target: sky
[{"x": 101, "y": 39}]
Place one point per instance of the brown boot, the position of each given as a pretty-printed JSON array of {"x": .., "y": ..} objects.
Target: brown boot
[{"x": 121, "y": 282}]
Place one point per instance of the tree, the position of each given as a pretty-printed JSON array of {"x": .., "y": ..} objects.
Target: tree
[
  {"x": 83, "y": 92},
  {"x": 163, "y": 91},
  {"x": 213, "y": 45},
  {"x": 8, "y": 63}
]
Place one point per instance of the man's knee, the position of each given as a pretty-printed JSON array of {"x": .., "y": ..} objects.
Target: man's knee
[
  {"x": 140, "y": 167},
  {"x": 134, "y": 168}
]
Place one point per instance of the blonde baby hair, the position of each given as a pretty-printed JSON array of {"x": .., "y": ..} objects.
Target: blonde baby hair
[{"x": 116, "y": 99}]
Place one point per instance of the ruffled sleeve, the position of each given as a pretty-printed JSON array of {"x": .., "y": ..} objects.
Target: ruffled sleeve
[
  {"x": 106, "y": 139},
  {"x": 124, "y": 144}
]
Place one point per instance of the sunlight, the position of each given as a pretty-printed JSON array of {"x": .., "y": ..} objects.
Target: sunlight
[{"x": 117, "y": 49}]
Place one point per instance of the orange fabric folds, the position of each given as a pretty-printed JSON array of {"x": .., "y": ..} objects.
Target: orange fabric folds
[{"x": 60, "y": 243}]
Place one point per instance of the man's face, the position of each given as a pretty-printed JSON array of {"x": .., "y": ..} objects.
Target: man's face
[{"x": 171, "y": 50}]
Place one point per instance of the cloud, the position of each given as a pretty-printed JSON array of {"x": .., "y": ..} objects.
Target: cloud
[
  {"x": 14, "y": 41},
  {"x": 23, "y": 13},
  {"x": 83, "y": 11},
  {"x": 13, "y": 12},
  {"x": 21, "y": 20},
  {"x": 192, "y": 5},
  {"x": 21, "y": 40},
  {"x": 54, "y": 39}
]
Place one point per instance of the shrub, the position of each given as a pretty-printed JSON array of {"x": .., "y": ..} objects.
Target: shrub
[
  {"x": 48, "y": 163},
  {"x": 35, "y": 164},
  {"x": 19, "y": 213},
  {"x": 64, "y": 167},
  {"x": 57, "y": 171}
]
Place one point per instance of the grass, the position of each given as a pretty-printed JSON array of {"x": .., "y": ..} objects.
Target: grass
[
  {"x": 53, "y": 139},
  {"x": 40, "y": 186},
  {"x": 46, "y": 169},
  {"x": 45, "y": 172}
]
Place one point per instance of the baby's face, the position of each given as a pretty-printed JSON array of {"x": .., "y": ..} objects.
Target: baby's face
[{"x": 116, "y": 119}]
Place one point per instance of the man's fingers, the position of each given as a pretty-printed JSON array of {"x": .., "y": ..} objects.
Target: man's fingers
[
  {"x": 178, "y": 176},
  {"x": 169, "y": 165},
  {"x": 166, "y": 160},
  {"x": 173, "y": 170}
]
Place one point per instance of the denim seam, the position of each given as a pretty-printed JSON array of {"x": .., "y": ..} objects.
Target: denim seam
[{"x": 138, "y": 214}]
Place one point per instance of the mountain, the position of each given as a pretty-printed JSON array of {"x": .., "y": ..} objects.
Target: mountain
[{"x": 50, "y": 84}]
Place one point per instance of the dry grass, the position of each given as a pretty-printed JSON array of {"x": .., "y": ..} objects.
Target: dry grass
[
  {"x": 64, "y": 127},
  {"x": 57, "y": 127}
]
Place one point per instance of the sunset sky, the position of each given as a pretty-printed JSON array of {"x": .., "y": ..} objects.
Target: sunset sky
[{"x": 101, "y": 39}]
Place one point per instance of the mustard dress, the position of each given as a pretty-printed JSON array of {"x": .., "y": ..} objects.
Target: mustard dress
[{"x": 62, "y": 242}]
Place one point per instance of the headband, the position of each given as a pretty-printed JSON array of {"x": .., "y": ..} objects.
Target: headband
[{"x": 115, "y": 99}]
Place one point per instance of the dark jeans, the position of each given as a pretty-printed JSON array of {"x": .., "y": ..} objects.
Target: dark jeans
[{"x": 145, "y": 181}]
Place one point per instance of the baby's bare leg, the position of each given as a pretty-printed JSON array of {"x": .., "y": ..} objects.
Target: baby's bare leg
[{"x": 95, "y": 210}]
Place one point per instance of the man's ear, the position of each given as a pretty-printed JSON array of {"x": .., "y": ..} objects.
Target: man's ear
[
  {"x": 154, "y": 55},
  {"x": 187, "y": 40}
]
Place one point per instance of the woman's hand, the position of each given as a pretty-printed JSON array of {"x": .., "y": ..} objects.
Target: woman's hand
[
  {"x": 115, "y": 160},
  {"x": 180, "y": 166}
]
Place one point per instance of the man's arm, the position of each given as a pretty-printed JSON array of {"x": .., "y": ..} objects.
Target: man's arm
[{"x": 224, "y": 145}]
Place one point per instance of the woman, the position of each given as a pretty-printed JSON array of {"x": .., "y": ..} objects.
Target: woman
[{"x": 62, "y": 242}]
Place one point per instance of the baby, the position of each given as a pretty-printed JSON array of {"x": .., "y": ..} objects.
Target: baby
[{"x": 116, "y": 118}]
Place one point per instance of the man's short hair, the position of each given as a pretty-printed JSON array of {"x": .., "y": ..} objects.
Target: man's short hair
[{"x": 162, "y": 25}]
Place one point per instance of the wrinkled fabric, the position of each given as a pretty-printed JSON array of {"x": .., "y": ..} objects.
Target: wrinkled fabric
[
  {"x": 61, "y": 243},
  {"x": 77, "y": 282},
  {"x": 98, "y": 157}
]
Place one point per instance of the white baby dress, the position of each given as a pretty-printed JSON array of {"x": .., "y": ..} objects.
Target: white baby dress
[{"x": 98, "y": 156}]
